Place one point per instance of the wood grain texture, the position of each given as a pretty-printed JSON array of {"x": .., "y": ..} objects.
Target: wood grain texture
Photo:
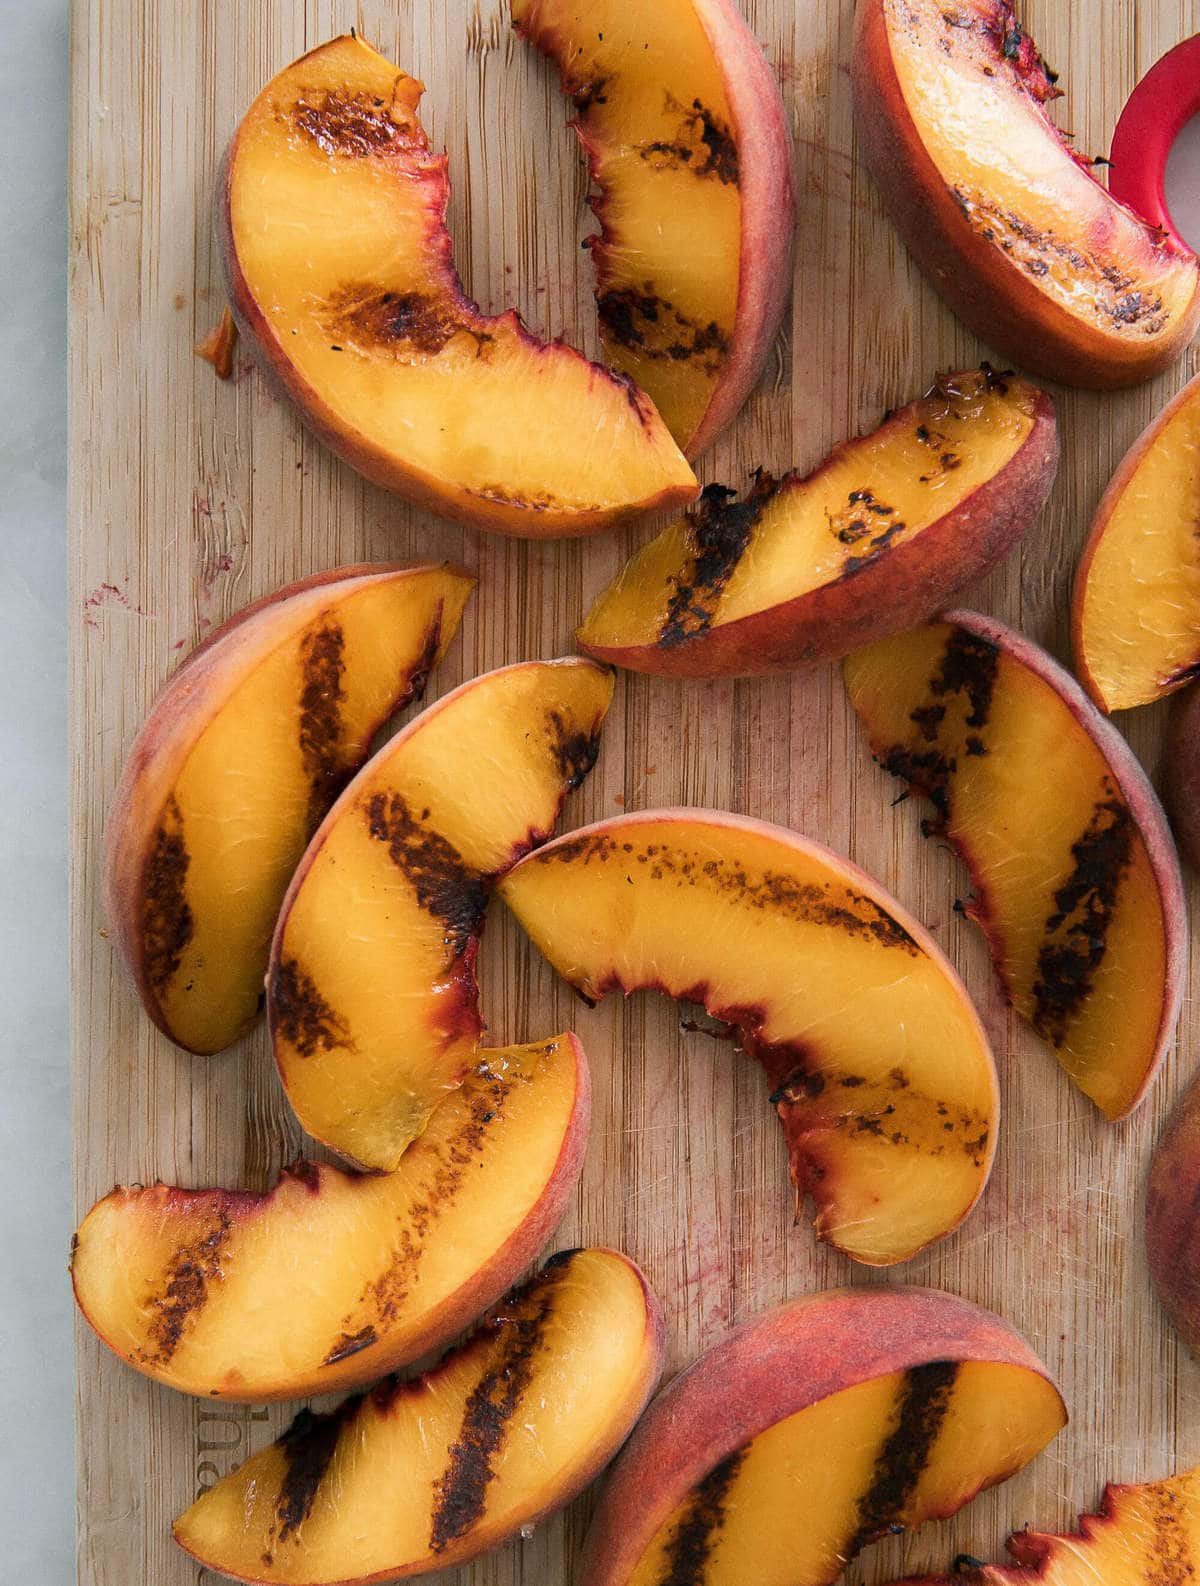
[{"x": 189, "y": 498}]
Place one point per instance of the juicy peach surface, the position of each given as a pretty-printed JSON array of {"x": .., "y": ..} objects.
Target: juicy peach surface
[
  {"x": 869, "y": 543},
  {"x": 1142, "y": 1535},
  {"x": 241, "y": 755},
  {"x": 423, "y": 1475},
  {"x": 1011, "y": 228},
  {"x": 689, "y": 149},
  {"x": 1077, "y": 881},
  {"x": 371, "y": 991},
  {"x": 1136, "y": 608},
  {"x": 852, "y": 1413},
  {"x": 333, "y": 1278},
  {"x": 338, "y": 262},
  {"x": 882, "y": 1075}
]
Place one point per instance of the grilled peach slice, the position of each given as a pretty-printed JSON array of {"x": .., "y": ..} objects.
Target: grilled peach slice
[
  {"x": 869, "y": 543},
  {"x": 1010, "y": 227},
  {"x": 854, "y": 1413},
  {"x": 1141, "y": 1534},
  {"x": 1077, "y": 881},
  {"x": 1181, "y": 772},
  {"x": 332, "y": 215},
  {"x": 881, "y": 1072},
  {"x": 424, "y": 1475},
  {"x": 371, "y": 991},
  {"x": 1136, "y": 608},
  {"x": 242, "y": 754},
  {"x": 688, "y": 146},
  {"x": 334, "y": 1278},
  {"x": 1173, "y": 1220}
]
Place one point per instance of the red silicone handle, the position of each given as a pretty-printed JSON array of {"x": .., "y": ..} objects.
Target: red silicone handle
[{"x": 1155, "y": 113}]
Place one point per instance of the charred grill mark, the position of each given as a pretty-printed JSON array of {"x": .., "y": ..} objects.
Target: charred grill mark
[
  {"x": 419, "y": 677},
  {"x": 719, "y": 530},
  {"x": 308, "y": 1447},
  {"x": 654, "y": 328},
  {"x": 924, "y": 1400},
  {"x": 586, "y": 94},
  {"x": 351, "y": 1344},
  {"x": 407, "y": 324},
  {"x": 445, "y": 885},
  {"x": 969, "y": 667},
  {"x": 460, "y": 1493},
  {"x": 1076, "y": 934},
  {"x": 866, "y": 521},
  {"x": 191, "y": 1271},
  {"x": 167, "y": 922},
  {"x": 888, "y": 1109},
  {"x": 574, "y": 752},
  {"x": 697, "y": 1533},
  {"x": 1168, "y": 1551},
  {"x": 383, "y": 1297},
  {"x": 702, "y": 144},
  {"x": 322, "y": 667},
  {"x": 1115, "y": 296},
  {"x": 301, "y": 1015},
  {"x": 807, "y": 902},
  {"x": 355, "y": 125}
]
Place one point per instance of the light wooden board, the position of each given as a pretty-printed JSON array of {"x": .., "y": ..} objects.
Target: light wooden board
[{"x": 190, "y": 498}]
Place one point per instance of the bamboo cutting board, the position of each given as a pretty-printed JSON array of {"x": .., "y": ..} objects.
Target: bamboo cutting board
[{"x": 190, "y": 498}]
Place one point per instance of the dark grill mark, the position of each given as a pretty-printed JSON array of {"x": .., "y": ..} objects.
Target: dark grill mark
[
  {"x": 301, "y": 1015},
  {"x": 401, "y": 322},
  {"x": 574, "y": 752},
  {"x": 1077, "y": 932},
  {"x": 445, "y": 885},
  {"x": 809, "y": 902},
  {"x": 460, "y": 1493},
  {"x": 322, "y": 667},
  {"x": 308, "y": 1446},
  {"x": 383, "y": 1297},
  {"x": 968, "y": 667},
  {"x": 191, "y": 1270},
  {"x": 719, "y": 530},
  {"x": 890, "y": 1109},
  {"x": 702, "y": 144},
  {"x": 924, "y": 1400},
  {"x": 355, "y": 125},
  {"x": 419, "y": 677},
  {"x": 167, "y": 923},
  {"x": 697, "y": 1533},
  {"x": 654, "y": 328}
]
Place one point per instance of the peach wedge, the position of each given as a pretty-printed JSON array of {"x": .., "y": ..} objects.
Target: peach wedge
[
  {"x": 853, "y": 1413},
  {"x": 426, "y": 1474},
  {"x": 240, "y": 757},
  {"x": 869, "y": 543},
  {"x": 1136, "y": 608},
  {"x": 1077, "y": 882},
  {"x": 1145, "y": 1533},
  {"x": 332, "y": 218},
  {"x": 688, "y": 147},
  {"x": 1181, "y": 772},
  {"x": 371, "y": 992},
  {"x": 1173, "y": 1219},
  {"x": 881, "y": 1073},
  {"x": 1008, "y": 224},
  {"x": 334, "y": 1278}
]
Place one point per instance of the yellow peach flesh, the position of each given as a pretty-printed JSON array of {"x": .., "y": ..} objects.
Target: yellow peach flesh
[
  {"x": 539, "y": 1397},
  {"x": 882, "y": 489},
  {"x": 885, "y": 1082},
  {"x": 371, "y": 992},
  {"x": 332, "y": 1278},
  {"x": 982, "y": 1420},
  {"x": 1137, "y": 620},
  {"x": 335, "y": 215},
  {"x": 1038, "y": 814}
]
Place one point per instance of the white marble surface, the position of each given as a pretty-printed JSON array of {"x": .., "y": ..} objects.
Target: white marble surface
[{"x": 36, "y": 1453}]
